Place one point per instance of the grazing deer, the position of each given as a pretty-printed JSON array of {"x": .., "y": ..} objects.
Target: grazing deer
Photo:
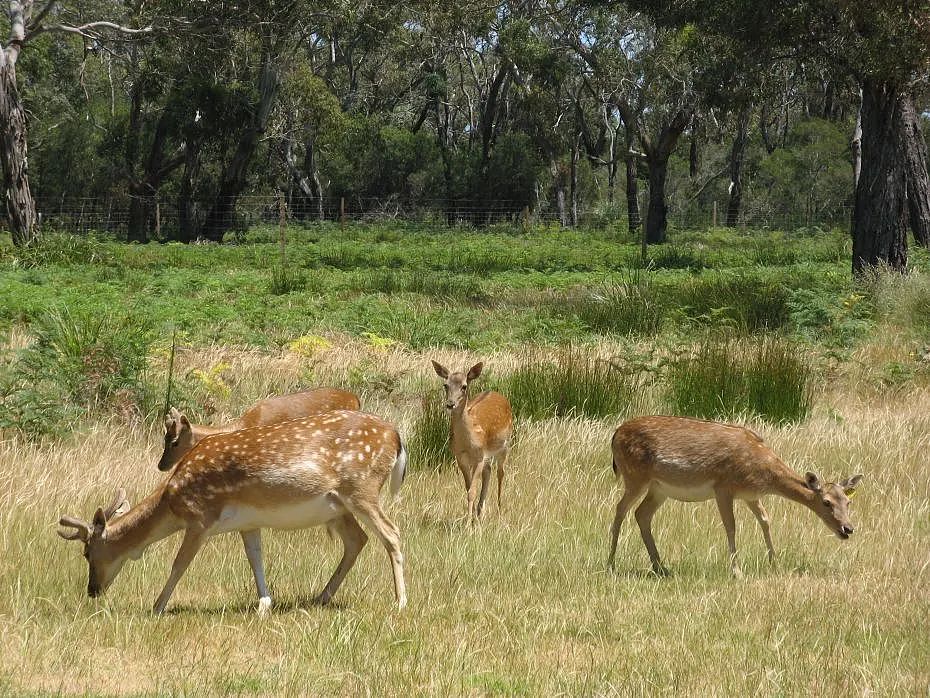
[
  {"x": 181, "y": 436},
  {"x": 692, "y": 460},
  {"x": 322, "y": 470},
  {"x": 480, "y": 432}
]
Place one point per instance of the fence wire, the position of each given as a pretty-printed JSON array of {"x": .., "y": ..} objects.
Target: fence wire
[{"x": 164, "y": 219}]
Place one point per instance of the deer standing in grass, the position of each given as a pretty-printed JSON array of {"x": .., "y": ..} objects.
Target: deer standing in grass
[
  {"x": 480, "y": 433},
  {"x": 692, "y": 460},
  {"x": 181, "y": 436},
  {"x": 322, "y": 470}
]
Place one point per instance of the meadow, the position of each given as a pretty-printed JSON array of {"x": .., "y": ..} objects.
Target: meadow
[{"x": 762, "y": 328}]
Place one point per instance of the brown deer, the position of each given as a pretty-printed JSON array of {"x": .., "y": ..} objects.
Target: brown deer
[
  {"x": 480, "y": 433},
  {"x": 181, "y": 436},
  {"x": 692, "y": 460},
  {"x": 322, "y": 470}
]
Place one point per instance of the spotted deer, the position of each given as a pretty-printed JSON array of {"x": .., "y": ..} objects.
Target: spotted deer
[
  {"x": 692, "y": 460},
  {"x": 181, "y": 436},
  {"x": 321, "y": 470},
  {"x": 480, "y": 433}
]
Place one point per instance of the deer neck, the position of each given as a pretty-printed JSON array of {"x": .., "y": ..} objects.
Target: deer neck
[
  {"x": 792, "y": 486},
  {"x": 461, "y": 422},
  {"x": 146, "y": 523},
  {"x": 200, "y": 431}
]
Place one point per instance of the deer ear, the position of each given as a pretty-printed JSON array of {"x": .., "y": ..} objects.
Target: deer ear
[
  {"x": 850, "y": 484},
  {"x": 812, "y": 482},
  {"x": 475, "y": 370},
  {"x": 185, "y": 424},
  {"x": 440, "y": 370},
  {"x": 173, "y": 413}
]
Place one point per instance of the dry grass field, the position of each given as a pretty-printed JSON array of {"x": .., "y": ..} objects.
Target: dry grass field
[{"x": 520, "y": 605}]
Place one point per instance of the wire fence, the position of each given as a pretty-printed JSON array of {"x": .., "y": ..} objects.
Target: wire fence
[{"x": 165, "y": 219}]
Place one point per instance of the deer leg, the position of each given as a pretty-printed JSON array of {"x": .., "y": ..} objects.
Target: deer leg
[
  {"x": 502, "y": 458},
  {"x": 725, "y": 505},
  {"x": 485, "y": 479},
  {"x": 193, "y": 541},
  {"x": 472, "y": 489},
  {"x": 644, "y": 514},
  {"x": 762, "y": 516},
  {"x": 353, "y": 540},
  {"x": 252, "y": 540},
  {"x": 372, "y": 516},
  {"x": 632, "y": 493}
]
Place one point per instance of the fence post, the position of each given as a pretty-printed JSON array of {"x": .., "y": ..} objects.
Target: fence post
[
  {"x": 158, "y": 219},
  {"x": 526, "y": 219},
  {"x": 342, "y": 212},
  {"x": 714, "y": 219},
  {"x": 282, "y": 228}
]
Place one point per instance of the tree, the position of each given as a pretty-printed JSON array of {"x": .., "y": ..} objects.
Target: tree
[
  {"x": 852, "y": 38},
  {"x": 26, "y": 20}
]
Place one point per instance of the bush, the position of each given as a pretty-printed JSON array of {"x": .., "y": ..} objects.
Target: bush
[
  {"x": 629, "y": 306},
  {"x": 79, "y": 361},
  {"x": 429, "y": 440},
  {"x": 573, "y": 385},
  {"x": 727, "y": 378},
  {"x": 746, "y": 302}
]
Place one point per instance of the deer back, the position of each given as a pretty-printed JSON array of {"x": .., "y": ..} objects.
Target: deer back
[
  {"x": 344, "y": 452},
  {"x": 304, "y": 404},
  {"x": 687, "y": 451}
]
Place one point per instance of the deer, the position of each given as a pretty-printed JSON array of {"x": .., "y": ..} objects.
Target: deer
[
  {"x": 181, "y": 436},
  {"x": 693, "y": 460},
  {"x": 480, "y": 433},
  {"x": 324, "y": 469}
]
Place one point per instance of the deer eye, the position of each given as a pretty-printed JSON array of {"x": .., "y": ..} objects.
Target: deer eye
[
  {"x": 463, "y": 388},
  {"x": 828, "y": 504}
]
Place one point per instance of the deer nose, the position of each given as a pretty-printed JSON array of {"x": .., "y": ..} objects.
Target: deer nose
[
  {"x": 848, "y": 530},
  {"x": 449, "y": 404}
]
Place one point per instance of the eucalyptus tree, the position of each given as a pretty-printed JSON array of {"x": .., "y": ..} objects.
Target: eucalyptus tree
[{"x": 26, "y": 20}]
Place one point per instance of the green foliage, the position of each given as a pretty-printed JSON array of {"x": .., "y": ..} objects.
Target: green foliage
[
  {"x": 725, "y": 378},
  {"x": 747, "y": 302},
  {"x": 575, "y": 384},
  {"x": 628, "y": 306},
  {"x": 428, "y": 444},
  {"x": 79, "y": 362}
]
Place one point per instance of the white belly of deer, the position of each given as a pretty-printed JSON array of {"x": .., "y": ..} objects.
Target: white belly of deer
[
  {"x": 685, "y": 493},
  {"x": 307, "y": 513}
]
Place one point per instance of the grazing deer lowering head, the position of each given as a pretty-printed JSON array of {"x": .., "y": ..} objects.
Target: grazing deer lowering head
[
  {"x": 693, "y": 460},
  {"x": 481, "y": 429},
  {"x": 181, "y": 436},
  {"x": 322, "y": 470}
]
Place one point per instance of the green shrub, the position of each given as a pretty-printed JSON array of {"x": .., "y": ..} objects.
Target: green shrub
[
  {"x": 747, "y": 302},
  {"x": 725, "y": 378},
  {"x": 428, "y": 444},
  {"x": 629, "y": 306},
  {"x": 79, "y": 362},
  {"x": 573, "y": 385}
]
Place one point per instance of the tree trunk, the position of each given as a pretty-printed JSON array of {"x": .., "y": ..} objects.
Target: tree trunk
[
  {"x": 573, "y": 182},
  {"x": 186, "y": 221},
  {"x": 20, "y": 206},
  {"x": 140, "y": 212},
  {"x": 232, "y": 182},
  {"x": 632, "y": 186},
  {"x": 918, "y": 182},
  {"x": 880, "y": 215},
  {"x": 657, "y": 215},
  {"x": 736, "y": 168}
]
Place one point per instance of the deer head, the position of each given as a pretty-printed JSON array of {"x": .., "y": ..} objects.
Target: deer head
[
  {"x": 456, "y": 383},
  {"x": 102, "y": 568},
  {"x": 831, "y": 502},
  {"x": 179, "y": 439}
]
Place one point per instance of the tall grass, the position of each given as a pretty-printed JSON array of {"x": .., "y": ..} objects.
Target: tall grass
[
  {"x": 628, "y": 306},
  {"x": 573, "y": 385},
  {"x": 723, "y": 378},
  {"x": 428, "y": 444}
]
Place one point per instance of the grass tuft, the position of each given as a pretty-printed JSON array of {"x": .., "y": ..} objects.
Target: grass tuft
[{"x": 722, "y": 379}]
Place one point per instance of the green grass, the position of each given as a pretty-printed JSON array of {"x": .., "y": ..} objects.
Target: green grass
[{"x": 725, "y": 378}]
